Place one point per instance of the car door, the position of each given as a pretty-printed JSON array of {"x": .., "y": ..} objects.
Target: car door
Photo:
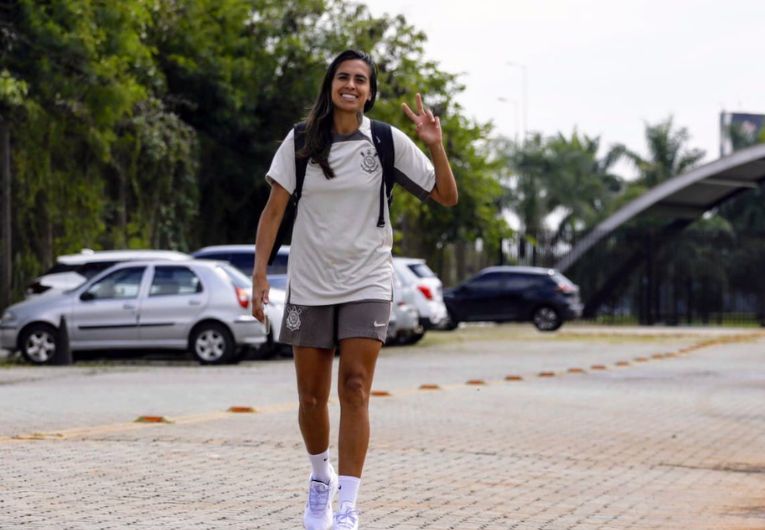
[
  {"x": 480, "y": 297},
  {"x": 105, "y": 315},
  {"x": 172, "y": 303},
  {"x": 513, "y": 299}
]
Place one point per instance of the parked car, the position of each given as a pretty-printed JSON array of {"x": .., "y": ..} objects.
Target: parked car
[
  {"x": 73, "y": 270},
  {"x": 243, "y": 257},
  {"x": 201, "y": 306},
  {"x": 426, "y": 293},
  {"x": 404, "y": 326},
  {"x": 401, "y": 327},
  {"x": 501, "y": 294}
]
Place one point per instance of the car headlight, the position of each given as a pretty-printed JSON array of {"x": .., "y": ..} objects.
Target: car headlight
[{"x": 8, "y": 316}]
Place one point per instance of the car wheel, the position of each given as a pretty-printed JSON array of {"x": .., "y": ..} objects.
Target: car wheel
[
  {"x": 212, "y": 343},
  {"x": 451, "y": 322},
  {"x": 267, "y": 350},
  {"x": 39, "y": 343},
  {"x": 546, "y": 318},
  {"x": 414, "y": 338}
]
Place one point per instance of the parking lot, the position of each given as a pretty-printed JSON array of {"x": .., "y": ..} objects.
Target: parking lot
[{"x": 487, "y": 427}]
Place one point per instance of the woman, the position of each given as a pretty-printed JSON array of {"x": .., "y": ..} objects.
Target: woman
[{"x": 340, "y": 266}]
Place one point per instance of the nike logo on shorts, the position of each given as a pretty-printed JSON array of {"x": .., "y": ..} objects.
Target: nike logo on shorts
[{"x": 379, "y": 324}]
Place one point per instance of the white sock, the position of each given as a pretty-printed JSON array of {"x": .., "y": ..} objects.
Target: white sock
[
  {"x": 349, "y": 489},
  {"x": 321, "y": 466}
]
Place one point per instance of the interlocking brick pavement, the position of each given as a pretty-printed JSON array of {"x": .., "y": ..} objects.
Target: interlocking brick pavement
[{"x": 665, "y": 444}]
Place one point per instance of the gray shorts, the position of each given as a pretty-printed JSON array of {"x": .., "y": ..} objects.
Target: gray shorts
[{"x": 323, "y": 326}]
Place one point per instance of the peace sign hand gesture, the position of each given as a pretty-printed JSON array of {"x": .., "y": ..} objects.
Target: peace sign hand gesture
[{"x": 428, "y": 126}]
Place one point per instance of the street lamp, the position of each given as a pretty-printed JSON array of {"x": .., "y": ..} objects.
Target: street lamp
[
  {"x": 516, "y": 115},
  {"x": 524, "y": 90}
]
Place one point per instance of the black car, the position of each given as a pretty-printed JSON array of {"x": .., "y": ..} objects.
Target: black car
[{"x": 503, "y": 294}]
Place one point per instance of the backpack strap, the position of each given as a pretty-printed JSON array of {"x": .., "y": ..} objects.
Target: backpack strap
[
  {"x": 300, "y": 163},
  {"x": 382, "y": 136},
  {"x": 288, "y": 220}
]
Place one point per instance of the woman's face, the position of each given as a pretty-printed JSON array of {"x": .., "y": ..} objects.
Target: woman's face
[{"x": 350, "y": 86}]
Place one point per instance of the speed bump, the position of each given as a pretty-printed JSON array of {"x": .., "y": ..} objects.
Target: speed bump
[
  {"x": 241, "y": 410},
  {"x": 152, "y": 419}
]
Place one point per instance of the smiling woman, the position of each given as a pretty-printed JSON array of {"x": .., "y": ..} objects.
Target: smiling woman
[{"x": 339, "y": 165}]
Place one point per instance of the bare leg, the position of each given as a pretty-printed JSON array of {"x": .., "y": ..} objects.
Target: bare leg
[
  {"x": 357, "y": 368},
  {"x": 313, "y": 367}
]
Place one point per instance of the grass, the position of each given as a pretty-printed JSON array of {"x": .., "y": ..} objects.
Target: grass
[{"x": 570, "y": 332}]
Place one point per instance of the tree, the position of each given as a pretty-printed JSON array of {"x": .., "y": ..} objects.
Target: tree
[
  {"x": 12, "y": 94},
  {"x": 562, "y": 175},
  {"x": 668, "y": 154}
]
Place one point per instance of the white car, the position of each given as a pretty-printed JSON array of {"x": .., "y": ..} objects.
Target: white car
[
  {"x": 426, "y": 294},
  {"x": 404, "y": 326},
  {"x": 73, "y": 270}
]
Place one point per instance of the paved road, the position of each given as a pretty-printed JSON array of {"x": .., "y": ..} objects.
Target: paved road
[{"x": 653, "y": 441}]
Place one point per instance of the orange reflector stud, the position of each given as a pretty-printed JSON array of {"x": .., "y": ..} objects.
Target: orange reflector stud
[
  {"x": 241, "y": 410},
  {"x": 575, "y": 371},
  {"x": 152, "y": 419},
  {"x": 475, "y": 382},
  {"x": 598, "y": 367},
  {"x": 622, "y": 363},
  {"x": 658, "y": 355},
  {"x": 546, "y": 374},
  {"x": 380, "y": 393},
  {"x": 641, "y": 359},
  {"x": 429, "y": 387},
  {"x": 513, "y": 378}
]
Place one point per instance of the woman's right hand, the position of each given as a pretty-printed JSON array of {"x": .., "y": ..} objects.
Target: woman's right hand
[{"x": 259, "y": 297}]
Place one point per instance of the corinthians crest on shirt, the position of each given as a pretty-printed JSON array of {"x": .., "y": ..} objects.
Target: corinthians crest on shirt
[{"x": 369, "y": 162}]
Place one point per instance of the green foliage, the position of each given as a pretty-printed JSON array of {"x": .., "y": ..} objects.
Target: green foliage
[
  {"x": 153, "y": 122},
  {"x": 558, "y": 174}
]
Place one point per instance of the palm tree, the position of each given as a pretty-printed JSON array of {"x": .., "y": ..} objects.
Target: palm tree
[
  {"x": 668, "y": 155},
  {"x": 561, "y": 174}
]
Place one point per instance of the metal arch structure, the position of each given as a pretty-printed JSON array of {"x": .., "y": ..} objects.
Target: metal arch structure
[{"x": 684, "y": 198}]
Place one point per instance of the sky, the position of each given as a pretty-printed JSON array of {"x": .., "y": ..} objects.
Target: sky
[{"x": 604, "y": 67}]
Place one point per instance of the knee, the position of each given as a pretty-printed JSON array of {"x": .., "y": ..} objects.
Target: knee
[
  {"x": 311, "y": 401},
  {"x": 353, "y": 391}
]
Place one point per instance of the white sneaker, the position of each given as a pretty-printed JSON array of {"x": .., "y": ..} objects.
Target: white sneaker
[
  {"x": 346, "y": 518},
  {"x": 318, "y": 507}
]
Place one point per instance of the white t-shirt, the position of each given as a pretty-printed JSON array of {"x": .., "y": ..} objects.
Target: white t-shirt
[{"x": 338, "y": 253}]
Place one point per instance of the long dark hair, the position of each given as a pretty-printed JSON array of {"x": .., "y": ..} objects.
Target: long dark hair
[{"x": 318, "y": 123}]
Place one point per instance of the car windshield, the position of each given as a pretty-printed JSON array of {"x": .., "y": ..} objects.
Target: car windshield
[
  {"x": 60, "y": 267},
  {"x": 237, "y": 278},
  {"x": 562, "y": 280},
  {"x": 421, "y": 270}
]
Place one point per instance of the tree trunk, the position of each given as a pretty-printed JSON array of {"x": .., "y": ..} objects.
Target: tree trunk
[{"x": 5, "y": 208}]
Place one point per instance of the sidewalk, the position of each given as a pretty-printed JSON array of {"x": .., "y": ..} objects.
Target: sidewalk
[{"x": 663, "y": 443}]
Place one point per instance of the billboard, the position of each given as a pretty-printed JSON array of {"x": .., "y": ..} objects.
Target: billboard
[{"x": 739, "y": 130}]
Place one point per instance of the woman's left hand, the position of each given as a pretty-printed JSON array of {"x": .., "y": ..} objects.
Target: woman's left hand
[{"x": 428, "y": 127}]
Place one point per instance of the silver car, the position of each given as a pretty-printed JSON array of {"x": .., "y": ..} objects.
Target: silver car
[{"x": 201, "y": 306}]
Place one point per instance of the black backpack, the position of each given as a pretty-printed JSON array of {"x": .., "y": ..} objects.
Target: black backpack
[{"x": 383, "y": 140}]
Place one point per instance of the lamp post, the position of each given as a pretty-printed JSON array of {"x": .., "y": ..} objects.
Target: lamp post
[
  {"x": 524, "y": 93},
  {"x": 516, "y": 115}
]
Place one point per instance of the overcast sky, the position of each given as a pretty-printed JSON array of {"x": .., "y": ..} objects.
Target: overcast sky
[{"x": 606, "y": 67}]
